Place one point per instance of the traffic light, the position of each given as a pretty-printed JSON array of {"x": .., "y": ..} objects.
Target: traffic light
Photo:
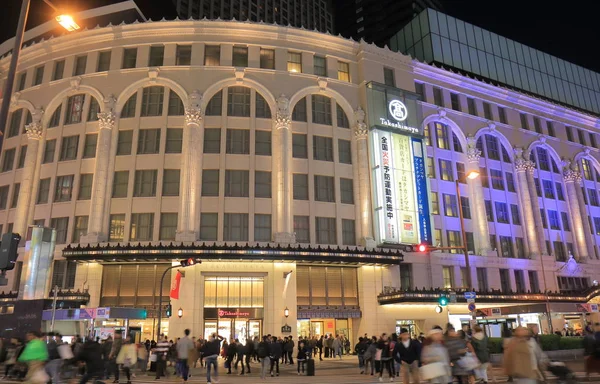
[
  {"x": 422, "y": 248},
  {"x": 443, "y": 300},
  {"x": 8, "y": 251},
  {"x": 189, "y": 262},
  {"x": 169, "y": 310}
]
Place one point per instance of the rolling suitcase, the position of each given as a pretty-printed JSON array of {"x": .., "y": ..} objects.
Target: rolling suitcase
[{"x": 310, "y": 367}]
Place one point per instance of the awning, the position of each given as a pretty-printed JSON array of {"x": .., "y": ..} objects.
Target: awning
[{"x": 95, "y": 313}]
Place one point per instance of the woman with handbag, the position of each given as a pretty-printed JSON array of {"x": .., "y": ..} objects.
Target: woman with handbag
[
  {"x": 435, "y": 359},
  {"x": 127, "y": 358},
  {"x": 461, "y": 356}
]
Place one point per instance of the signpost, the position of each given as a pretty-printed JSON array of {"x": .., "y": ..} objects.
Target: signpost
[
  {"x": 470, "y": 296},
  {"x": 472, "y": 307}
]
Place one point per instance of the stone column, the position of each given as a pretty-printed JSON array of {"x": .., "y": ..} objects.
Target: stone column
[
  {"x": 578, "y": 213},
  {"x": 365, "y": 220},
  {"x": 34, "y": 135},
  {"x": 188, "y": 227},
  {"x": 282, "y": 166},
  {"x": 535, "y": 206},
  {"x": 106, "y": 124},
  {"x": 525, "y": 197},
  {"x": 481, "y": 230}
]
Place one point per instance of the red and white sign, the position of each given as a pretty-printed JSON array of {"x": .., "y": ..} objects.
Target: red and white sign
[
  {"x": 237, "y": 313},
  {"x": 175, "y": 286}
]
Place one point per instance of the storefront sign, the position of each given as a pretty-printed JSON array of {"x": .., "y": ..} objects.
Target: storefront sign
[
  {"x": 233, "y": 313},
  {"x": 286, "y": 329},
  {"x": 421, "y": 191},
  {"x": 386, "y": 185}
]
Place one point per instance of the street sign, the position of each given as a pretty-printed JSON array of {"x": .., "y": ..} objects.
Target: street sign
[
  {"x": 470, "y": 295},
  {"x": 470, "y": 301},
  {"x": 452, "y": 297},
  {"x": 472, "y": 307}
]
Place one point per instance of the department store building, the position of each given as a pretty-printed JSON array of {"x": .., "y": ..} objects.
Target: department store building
[{"x": 302, "y": 169}]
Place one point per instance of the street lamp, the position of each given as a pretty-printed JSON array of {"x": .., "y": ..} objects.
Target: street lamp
[
  {"x": 65, "y": 20},
  {"x": 471, "y": 176},
  {"x": 180, "y": 312},
  {"x": 286, "y": 312}
]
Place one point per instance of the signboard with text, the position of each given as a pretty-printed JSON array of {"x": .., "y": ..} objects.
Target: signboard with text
[
  {"x": 233, "y": 313},
  {"x": 400, "y": 189}
]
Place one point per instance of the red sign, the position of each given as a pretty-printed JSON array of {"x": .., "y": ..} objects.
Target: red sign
[
  {"x": 175, "y": 286},
  {"x": 236, "y": 313}
]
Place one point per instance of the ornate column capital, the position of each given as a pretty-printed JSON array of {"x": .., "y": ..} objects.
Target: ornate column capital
[
  {"x": 283, "y": 117},
  {"x": 473, "y": 154},
  {"x": 522, "y": 165},
  {"x": 572, "y": 176},
  {"x": 106, "y": 120},
  {"x": 34, "y": 130},
  {"x": 193, "y": 111},
  {"x": 360, "y": 129}
]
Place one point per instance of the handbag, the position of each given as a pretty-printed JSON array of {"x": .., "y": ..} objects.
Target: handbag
[
  {"x": 433, "y": 370},
  {"x": 65, "y": 352},
  {"x": 468, "y": 362}
]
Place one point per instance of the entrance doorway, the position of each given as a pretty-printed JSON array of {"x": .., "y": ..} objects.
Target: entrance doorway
[{"x": 240, "y": 329}]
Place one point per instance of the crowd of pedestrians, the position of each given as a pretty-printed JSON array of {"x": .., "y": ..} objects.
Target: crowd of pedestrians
[{"x": 442, "y": 356}]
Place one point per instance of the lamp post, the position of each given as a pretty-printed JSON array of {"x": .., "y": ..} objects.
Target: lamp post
[
  {"x": 472, "y": 175},
  {"x": 65, "y": 20}
]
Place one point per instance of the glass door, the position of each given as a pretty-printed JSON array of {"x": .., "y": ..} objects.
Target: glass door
[
  {"x": 210, "y": 327},
  {"x": 316, "y": 328},
  {"x": 225, "y": 329},
  {"x": 254, "y": 327},
  {"x": 241, "y": 330}
]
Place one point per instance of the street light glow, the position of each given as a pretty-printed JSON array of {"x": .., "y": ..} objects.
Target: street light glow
[
  {"x": 67, "y": 22},
  {"x": 473, "y": 175}
]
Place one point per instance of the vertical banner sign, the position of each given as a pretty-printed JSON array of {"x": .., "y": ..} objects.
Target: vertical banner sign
[
  {"x": 421, "y": 189},
  {"x": 405, "y": 188},
  {"x": 175, "y": 286},
  {"x": 391, "y": 233}
]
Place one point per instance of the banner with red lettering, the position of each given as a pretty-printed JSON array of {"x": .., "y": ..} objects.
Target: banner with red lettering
[{"x": 175, "y": 286}]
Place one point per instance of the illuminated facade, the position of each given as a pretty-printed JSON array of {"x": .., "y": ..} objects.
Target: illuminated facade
[{"x": 253, "y": 148}]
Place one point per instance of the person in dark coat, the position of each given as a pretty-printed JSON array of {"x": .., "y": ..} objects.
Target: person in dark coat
[
  {"x": 91, "y": 354},
  {"x": 407, "y": 352},
  {"x": 242, "y": 351},
  {"x": 249, "y": 353},
  {"x": 275, "y": 353},
  {"x": 231, "y": 352},
  {"x": 301, "y": 357}
]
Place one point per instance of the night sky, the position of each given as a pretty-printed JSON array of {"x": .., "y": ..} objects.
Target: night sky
[{"x": 567, "y": 29}]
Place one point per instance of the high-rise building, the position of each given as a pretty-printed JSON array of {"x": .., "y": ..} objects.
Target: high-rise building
[
  {"x": 376, "y": 21},
  {"x": 310, "y": 14}
]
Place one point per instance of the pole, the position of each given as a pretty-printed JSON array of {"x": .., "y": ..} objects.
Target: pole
[
  {"x": 464, "y": 237},
  {"x": 162, "y": 279},
  {"x": 54, "y": 308},
  {"x": 12, "y": 69}
]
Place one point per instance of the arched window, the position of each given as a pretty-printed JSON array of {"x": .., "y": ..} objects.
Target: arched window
[
  {"x": 74, "y": 109},
  {"x": 152, "y": 101},
  {"x": 299, "y": 112},
  {"x": 175, "y": 104},
  {"x": 215, "y": 105},
  {"x": 16, "y": 117},
  {"x": 262, "y": 109},
  {"x": 93, "y": 110},
  {"x": 589, "y": 188},
  {"x": 55, "y": 118},
  {"x": 129, "y": 107},
  {"x": 321, "y": 109},
  {"x": 443, "y": 136},
  {"x": 238, "y": 101},
  {"x": 342, "y": 119}
]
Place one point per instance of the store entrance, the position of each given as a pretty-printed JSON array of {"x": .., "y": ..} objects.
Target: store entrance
[{"x": 241, "y": 329}]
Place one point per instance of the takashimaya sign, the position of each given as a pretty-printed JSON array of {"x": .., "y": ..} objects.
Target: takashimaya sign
[{"x": 399, "y": 114}]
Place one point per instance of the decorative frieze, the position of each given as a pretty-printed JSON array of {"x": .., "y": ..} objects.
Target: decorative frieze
[
  {"x": 34, "y": 130},
  {"x": 360, "y": 129},
  {"x": 193, "y": 111},
  {"x": 283, "y": 118},
  {"x": 106, "y": 120},
  {"x": 571, "y": 176}
]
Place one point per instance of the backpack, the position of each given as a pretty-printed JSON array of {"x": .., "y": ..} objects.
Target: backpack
[{"x": 263, "y": 350}]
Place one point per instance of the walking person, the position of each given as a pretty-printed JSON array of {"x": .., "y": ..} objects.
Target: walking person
[
  {"x": 408, "y": 352},
  {"x": 275, "y": 353},
  {"x": 320, "y": 345},
  {"x": 231, "y": 352},
  {"x": 370, "y": 354},
  {"x": 523, "y": 358},
  {"x": 385, "y": 356},
  {"x": 127, "y": 357},
  {"x": 457, "y": 349},
  {"x": 35, "y": 356},
  {"x": 360, "y": 350},
  {"x": 210, "y": 351},
  {"x": 289, "y": 350},
  {"x": 337, "y": 347},
  {"x": 54, "y": 363},
  {"x": 241, "y": 351},
  {"x": 263, "y": 355},
  {"x": 479, "y": 341},
  {"x": 112, "y": 356},
  {"x": 249, "y": 353},
  {"x": 329, "y": 348},
  {"x": 161, "y": 351},
  {"x": 91, "y": 355},
  {"x": 184, "y": 347},
  {"x": 434, "y": 353}
]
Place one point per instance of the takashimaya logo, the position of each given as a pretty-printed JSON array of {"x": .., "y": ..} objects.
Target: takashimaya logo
[{"x": 398, "y": 110}]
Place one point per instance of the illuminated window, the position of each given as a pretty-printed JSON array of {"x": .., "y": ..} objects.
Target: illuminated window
[
  {"x": 427, "y": 133},
  {"x": 587, "y": 169},
  {"x": 430, "y": 167},
  {"x": 294, "y": 62},
  {"x": 446, "y": 173},
  {"x": 116, "y": 228},
  {"x": 441, "y": 132},
  {"x": 233, "y": 292},
  {"x": 435, "y": 203},
  {"x": 450, "y": 205},
  {"x": 448, "y": 274},
  {"x": 343, "y": 71}
]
